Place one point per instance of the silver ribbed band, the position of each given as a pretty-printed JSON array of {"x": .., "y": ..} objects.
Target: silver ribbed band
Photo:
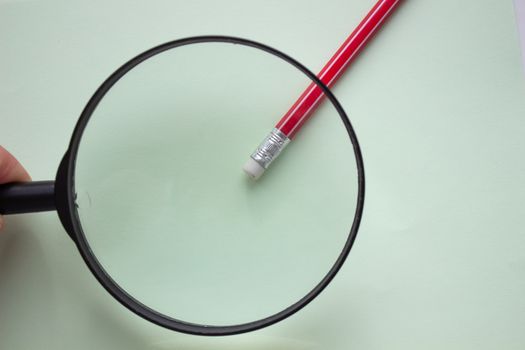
[{"x": 270, "y": 148}]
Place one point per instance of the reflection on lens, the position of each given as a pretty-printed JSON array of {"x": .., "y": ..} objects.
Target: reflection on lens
[{"x": 169, "y": 214}]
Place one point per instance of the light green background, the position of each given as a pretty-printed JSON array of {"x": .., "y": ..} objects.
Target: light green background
[{"x": 440, "y": 258}]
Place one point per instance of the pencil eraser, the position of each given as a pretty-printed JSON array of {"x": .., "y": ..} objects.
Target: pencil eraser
[{"x": 253, "y": 169}]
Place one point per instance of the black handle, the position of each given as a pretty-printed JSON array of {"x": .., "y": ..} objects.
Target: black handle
[{"x": 27, "y": 197}]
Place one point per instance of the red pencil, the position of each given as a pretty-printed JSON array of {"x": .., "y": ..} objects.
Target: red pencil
[{"x": 302, "y": 109}]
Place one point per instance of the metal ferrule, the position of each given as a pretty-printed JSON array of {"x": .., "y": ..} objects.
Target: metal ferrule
[{"x": 270, "y": 148}]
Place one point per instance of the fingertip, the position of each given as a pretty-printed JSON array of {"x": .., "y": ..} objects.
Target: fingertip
[{"x": 10, "y": 169}]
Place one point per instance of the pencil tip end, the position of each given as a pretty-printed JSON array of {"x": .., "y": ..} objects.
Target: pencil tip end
[{"x": 253, "y": 169}]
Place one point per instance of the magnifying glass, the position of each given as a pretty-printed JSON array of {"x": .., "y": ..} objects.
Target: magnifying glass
[{"x": 152, "y": 192}]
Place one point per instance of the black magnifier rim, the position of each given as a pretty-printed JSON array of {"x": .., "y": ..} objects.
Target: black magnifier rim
[{"x": 110, "y": 285}]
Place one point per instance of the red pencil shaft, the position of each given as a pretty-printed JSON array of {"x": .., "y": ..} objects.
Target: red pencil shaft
[{"x": 302, "y": 109}]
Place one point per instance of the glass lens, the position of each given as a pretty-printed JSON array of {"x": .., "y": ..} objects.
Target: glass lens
[{"x": 168, "y": 212}]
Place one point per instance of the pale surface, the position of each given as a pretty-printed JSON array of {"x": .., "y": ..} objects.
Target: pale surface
[
  {"x": 519, "y": 7},
  {"x": 440, "y": 259}
]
